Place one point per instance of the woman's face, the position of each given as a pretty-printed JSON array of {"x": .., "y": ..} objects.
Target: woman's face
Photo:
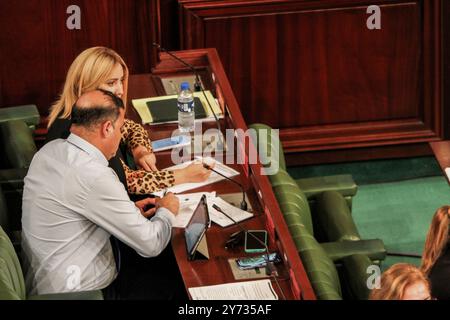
[
  {"x": 114, "y": 83},
  {"x": 417, "y": 291}
]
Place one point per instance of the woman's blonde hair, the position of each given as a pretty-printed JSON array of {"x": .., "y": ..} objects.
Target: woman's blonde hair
[
  {"x": 437, "y": 238},
  {"x": 396, "y": 280},
  {"x": 88, "y": 71}
]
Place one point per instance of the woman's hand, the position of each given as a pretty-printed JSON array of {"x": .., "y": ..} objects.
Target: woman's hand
[
  {"x": 195, "y": 172},
  {"x": 144, "y": 159}
]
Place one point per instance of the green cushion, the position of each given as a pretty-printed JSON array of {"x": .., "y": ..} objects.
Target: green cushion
[
  {"x": 12, "y": 286},
  {"x": 27, "y": 113},
  {"x": 334, "y": 217},
  {"x": 355, "y": 275},
  {"x": 321, "y": 270},
  {"x": 269, "y": 151},
  {"x": 292, "y": 201},
  {"x": 18, "y": 145}
]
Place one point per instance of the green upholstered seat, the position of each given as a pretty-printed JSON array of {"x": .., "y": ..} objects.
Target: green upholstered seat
[
  {"x": 27, "y": 113},
  {"x": 337, "y": 268},
  {"x": 17, "y": 150},
  {"x": 18, "y": 147},
  {"x": 12, "y": 285}
]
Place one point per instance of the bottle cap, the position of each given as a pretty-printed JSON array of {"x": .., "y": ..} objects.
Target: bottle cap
[{"x": 184, "y": 86}]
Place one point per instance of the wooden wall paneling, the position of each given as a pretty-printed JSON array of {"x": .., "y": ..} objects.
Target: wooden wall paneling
[
  {"x": 37, "y": 49},
  {"x": 313, "y": 69},
  {"x": 446, "y": 68}
]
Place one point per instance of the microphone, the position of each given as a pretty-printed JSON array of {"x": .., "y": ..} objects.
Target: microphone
[
  {"x": 271, "y": 270},
  {"x": 198, "y": 87},
  {"x": 243, "y": 204}
]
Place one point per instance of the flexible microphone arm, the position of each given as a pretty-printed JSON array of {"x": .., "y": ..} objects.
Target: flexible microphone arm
[
  {"x": 198, "y": 87},
  {"x": 244, "y": 205}
]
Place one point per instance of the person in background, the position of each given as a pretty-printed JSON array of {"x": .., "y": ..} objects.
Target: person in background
[
  {"x": 103, "y": 68},
  {"x": 436, "y": 254},
  {"x": 73, "y": 202},
  {"x": 402, "y": 281}
]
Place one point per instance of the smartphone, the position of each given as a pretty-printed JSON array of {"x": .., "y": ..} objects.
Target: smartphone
[
  {"x": 255, "y": 241},
  {"x": 169, "y": 143}
]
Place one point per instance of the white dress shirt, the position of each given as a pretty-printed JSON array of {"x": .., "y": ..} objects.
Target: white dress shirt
[{"x": 72, "y": 203}]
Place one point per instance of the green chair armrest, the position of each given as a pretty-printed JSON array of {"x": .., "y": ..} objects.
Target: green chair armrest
[
  {"x": 344, "y": 184},
  {"x": 18, "y": 144},
  {"x": 12, "y": 178},
  {"x": 84, "y": 295},
  {"x": 373, "y": 248},
  {"x": 355, "y": 275},
  {"x": 334, "y": 218},
  {"x": 27, "y": 113}
]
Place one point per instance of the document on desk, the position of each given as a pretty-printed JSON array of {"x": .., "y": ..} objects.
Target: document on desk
[
  {"x": 447, "y": 172},
  {"x": 237, "y": 214},
  {"x": 247, "y": 290},
  {"x": 214, "y": 177},
  {"x": 188, "y": 203}
]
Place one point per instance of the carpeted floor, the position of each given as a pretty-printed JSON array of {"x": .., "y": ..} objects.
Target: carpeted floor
[
  {"x": 399, "y": 213},
  {"x": 395, "y": 202}
]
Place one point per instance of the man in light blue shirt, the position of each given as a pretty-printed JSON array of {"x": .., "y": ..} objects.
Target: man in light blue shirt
[{"x": 73, "y": 202}]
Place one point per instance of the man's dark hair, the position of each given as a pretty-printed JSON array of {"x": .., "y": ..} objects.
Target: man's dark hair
[{"x": 89, "y": 116}]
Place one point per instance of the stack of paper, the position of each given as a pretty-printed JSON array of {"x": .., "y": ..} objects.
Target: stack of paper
[{"x": 247, "y": 290}]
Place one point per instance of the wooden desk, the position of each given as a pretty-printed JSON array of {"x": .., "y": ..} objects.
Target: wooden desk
[
  {"x": 293, "y": 279},
  {"x": 441, "y": 150}
]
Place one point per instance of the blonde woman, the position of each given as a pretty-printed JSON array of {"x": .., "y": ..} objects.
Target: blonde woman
[
  {"x": 103, "y": 68},
  {"x": 402, "y": 281},
  {"x": 436, "y": 254}
]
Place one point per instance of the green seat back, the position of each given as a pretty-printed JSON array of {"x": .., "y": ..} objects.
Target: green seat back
[
  {"x": 320, "y": 268},
  {"x": 27, "y": 113},
  {"x": 12, "y": 286},
  {"x": 18, "y": 147},
  {"x": 268, "y": 150}
]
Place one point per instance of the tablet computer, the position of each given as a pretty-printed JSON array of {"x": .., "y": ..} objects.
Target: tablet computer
[{"x": 196, "y": 228}]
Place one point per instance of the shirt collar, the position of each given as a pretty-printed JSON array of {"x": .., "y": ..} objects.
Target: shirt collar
[{"x": 87, "y": 147}]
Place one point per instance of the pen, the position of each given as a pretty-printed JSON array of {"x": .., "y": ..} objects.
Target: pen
[{"x": 226, "y": 215}]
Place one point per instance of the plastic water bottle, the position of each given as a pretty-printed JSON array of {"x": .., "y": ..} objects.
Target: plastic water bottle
[{"x": 186, "y": 113}]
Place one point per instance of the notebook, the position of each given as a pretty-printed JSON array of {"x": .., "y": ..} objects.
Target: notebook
[{"x": 166, "y": 110}]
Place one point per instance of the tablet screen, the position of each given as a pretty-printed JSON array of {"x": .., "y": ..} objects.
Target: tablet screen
[{"x": 196, "y": 227}]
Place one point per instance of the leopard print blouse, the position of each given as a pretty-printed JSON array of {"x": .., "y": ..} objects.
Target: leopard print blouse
[{"x": 141, "y": 181}]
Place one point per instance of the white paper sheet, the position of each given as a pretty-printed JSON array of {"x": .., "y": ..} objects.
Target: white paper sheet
[
  {"x": 214, "y": 177},
  {"x": 247, "y": 290},
  {"x": 188, "y": 203},
  {"x": 235, "y": 213}
]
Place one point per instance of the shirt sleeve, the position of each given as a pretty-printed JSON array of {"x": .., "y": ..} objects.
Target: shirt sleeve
[
  {"x": 109, "y": 206},
  {"x": 134, "y": 135}
]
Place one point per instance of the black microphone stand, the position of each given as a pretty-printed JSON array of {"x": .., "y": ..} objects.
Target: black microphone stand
[{"x": 243, "y": 205}]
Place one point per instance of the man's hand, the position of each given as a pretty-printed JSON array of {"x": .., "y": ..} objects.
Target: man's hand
[
  {"x": 142, "y": 204},
  {"x": 144, "y": 159},
  {"x": 170, "y": 202},
  {"x": 195, "y": 172}
]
